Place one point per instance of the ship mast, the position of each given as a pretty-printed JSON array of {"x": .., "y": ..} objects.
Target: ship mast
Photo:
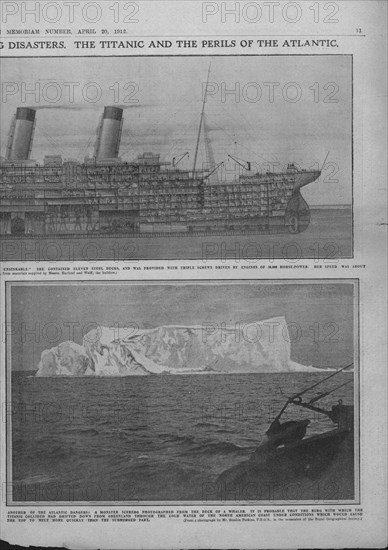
[
  {"x": 201, "y": 121},
  {"x": 210, "y": 160}
]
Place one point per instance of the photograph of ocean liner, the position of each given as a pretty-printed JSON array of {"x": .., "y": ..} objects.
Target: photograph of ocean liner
[
  {"x": 182, "y": 392},
  {"x": 177, "y": 151}
]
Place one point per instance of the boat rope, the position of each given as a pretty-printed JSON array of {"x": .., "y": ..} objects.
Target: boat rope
[
  {"x": 83, "y": 152},
  {"x": 50, "y": 140},
  {"x": 296, "y": 398},
  {"x": 233, "y": 137},
  {"x": 320, "y": 382},
  {"x": 325, "y": 394}
]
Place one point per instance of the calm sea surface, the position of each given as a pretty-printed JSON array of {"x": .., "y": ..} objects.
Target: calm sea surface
[{"x": 145, "y": 438}]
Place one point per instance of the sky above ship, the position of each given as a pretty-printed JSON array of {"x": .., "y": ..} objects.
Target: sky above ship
[{"x": 269, "y": 110}]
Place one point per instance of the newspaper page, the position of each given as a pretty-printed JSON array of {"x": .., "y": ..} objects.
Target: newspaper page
[{"x": 193, "y": 273}]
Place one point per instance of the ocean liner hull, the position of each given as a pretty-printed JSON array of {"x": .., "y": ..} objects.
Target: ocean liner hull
[
  {"x": 105, "y": 195},
  {"x": 35, "y": 201}
]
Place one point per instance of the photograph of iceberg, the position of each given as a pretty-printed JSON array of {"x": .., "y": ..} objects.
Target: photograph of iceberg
[
  {"x": 256, "y": 347},
  {"x": 171, "y": 392}
]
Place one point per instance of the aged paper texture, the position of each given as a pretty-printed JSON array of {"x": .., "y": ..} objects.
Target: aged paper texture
[{"x": 193, "y": 265}]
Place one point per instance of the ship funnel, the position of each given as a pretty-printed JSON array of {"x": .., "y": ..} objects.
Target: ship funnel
[
  {"x": 109, "y": 134},
  {"x": 21, "y": 134}
]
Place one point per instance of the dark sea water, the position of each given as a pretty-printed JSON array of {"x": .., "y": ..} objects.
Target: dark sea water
[{"x": 146, "y": 438}]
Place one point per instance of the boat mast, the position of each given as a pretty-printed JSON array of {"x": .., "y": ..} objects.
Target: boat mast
[
  {"x": 210, "y": 160},
  {"x": 201, "y": 121}
]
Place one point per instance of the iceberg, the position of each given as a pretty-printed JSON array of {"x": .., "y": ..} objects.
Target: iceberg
[
  {"x": 263, "y": 346},
  {"x": 67, "y": 359}
]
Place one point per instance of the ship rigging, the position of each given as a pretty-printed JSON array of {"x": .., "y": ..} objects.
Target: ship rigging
[
  {"x": 107, "y": 195},
  {"x": 286, "y": 456}
]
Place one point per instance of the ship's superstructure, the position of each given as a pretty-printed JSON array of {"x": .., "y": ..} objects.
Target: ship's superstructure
[{"x": 105, "y": 195}]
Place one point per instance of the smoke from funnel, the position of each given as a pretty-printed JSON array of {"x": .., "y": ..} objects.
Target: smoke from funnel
[
  {"x": 22, "y": 134},
  {"x": 109, "y": 133}
]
